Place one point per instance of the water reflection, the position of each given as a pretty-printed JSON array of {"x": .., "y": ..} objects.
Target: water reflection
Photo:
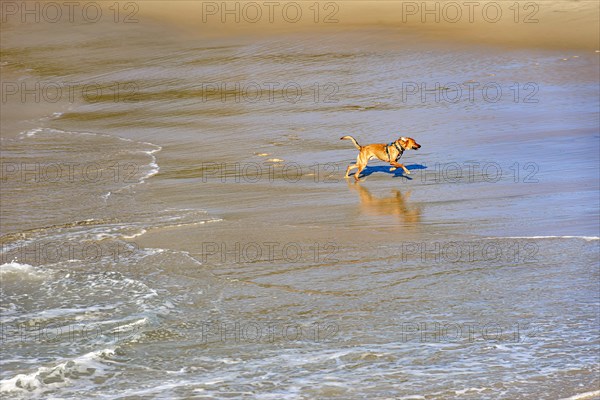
[{"x": 395, "y": 204}]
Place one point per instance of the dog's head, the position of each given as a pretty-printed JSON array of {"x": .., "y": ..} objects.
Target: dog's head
[{"x": 408, "y": 143}]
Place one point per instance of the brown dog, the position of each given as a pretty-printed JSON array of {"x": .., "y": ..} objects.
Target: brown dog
[{"x": 385, "y": 152}]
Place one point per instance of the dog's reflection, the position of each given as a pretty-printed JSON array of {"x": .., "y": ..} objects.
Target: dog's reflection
[{"x": 396, "y": 204}]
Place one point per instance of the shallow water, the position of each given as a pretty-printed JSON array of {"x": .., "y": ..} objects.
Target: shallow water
[{"x": 209, "y": 248}]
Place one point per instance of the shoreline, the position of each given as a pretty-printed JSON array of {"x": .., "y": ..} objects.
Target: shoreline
[{"x": 546, "y": 24}]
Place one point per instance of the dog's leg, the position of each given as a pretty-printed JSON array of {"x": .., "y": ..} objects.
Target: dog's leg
[
  {"x": 398, "y": 165},
  {"x": 359, "y": 161},
  {"x": 350, "y": 168},
  {"x": 357, "y": 174},
  {"x": 361, "y": 164}
]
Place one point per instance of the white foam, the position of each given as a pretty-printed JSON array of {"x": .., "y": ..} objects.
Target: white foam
[
  {"x": 143, "y": 231},
  {"x": 582, "y": 396},
  {"x": 188, "y": 255},
  {"x": 134, "y": 326},
  {"x": 586, "y": 238},
  {"x": 190, "y": 223},
  {"x": 152, "y": 251},
  {"x": 81, "y": 313},
  {"x": 137, "y": 234},
  {"x": 147, "y": 392},
  {"x": 63, "y": 374},
  {"x": 465, "y": 391},
  {"x": 154, "y": 168},
  {"x": 32, "y": 132},
  {"x": 15, "y": 268}
]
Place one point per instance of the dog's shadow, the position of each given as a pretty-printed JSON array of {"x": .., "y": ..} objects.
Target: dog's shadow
[{"x": 386, "y": 168}]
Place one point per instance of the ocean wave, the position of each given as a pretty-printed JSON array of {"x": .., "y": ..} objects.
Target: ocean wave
[
  {"x": 90, "y": 366},
  {"x": 153, "y": 167},
  {"x": 583, "y": 396},
  {"x": 586, "y": 238},
  {"x": 23, "y": 271},
  {"x": 97, "y": 230}
]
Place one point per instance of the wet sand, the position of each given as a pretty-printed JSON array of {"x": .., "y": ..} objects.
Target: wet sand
[
  {"x": 221, "y": 252},
  {"x": 548, "y": 23}
]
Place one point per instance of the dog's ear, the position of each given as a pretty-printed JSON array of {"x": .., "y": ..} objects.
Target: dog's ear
[{"x": 403, "y": 139}]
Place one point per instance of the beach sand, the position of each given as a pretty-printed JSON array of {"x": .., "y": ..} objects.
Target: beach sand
[
  {"x": 549, "y": 24},
  {"x": 204, "y": 231}
]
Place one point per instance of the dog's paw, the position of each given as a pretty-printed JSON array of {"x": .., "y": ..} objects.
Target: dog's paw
[
  {"x": 407, "y": 172},
  {"x": 393, "y": 169}
]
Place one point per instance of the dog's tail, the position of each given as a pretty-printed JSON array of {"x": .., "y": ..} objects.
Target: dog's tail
[{"x": 358, "y": 146}]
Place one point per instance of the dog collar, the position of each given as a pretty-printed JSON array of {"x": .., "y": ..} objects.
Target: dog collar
[{"x": 400, "y": 150}]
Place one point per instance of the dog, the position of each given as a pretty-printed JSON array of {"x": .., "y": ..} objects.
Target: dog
[{"x": 385, "y": 152}]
